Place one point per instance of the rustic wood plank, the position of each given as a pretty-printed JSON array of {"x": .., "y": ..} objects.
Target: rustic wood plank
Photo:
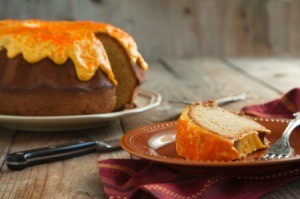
[
  {"x": 72, "y": 178},
  {"x": 6, "y": 136},
  {"x": 212, "y": 78},
  {"x": 282, "y": 29},
  {"x": 281, "y": 74},
  {"x": 183, "y": 28}
]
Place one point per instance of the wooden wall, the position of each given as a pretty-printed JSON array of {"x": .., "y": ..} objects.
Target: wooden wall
[{"x": 183, "y": 28}]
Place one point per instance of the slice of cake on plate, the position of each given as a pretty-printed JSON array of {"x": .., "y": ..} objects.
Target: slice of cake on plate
[{"x": 208, "y": 132}]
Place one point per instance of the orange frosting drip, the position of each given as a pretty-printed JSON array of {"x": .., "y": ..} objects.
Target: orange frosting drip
[{"x": 60, "y": 40}]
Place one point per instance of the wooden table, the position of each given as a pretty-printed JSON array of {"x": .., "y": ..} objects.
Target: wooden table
[{"x": 176, "y": 79}]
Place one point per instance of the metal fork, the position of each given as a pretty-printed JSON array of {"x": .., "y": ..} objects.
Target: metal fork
[
  {"x": 220, "y": 101},
  {"x": 282, "y": 148}
]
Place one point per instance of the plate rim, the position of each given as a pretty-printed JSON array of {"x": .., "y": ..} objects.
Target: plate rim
[{"x": 193, "y": 163}]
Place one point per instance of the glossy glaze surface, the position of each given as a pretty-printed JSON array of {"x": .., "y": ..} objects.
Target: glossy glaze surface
[{"x": 60, "y": 40}]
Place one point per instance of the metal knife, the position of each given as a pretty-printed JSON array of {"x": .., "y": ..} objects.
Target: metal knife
[{"x": 22, "y": 159}]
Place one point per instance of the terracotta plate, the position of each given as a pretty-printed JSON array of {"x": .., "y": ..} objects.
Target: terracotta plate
[{"x": 139, "y": 142}]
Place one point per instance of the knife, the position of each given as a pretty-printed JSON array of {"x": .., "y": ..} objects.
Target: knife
[{"x": 22, "y": 159}]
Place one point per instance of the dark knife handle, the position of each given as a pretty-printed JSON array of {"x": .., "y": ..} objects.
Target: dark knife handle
[{"x": 23, "y": 159}]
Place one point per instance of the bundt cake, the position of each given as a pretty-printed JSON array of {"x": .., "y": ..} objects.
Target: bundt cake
[
  {"x": 208, "y": 132},
  {"x": 50, "y": 68}
]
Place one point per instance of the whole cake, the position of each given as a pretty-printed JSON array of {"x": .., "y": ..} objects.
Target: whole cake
[
  {"x": 50, "y": 68},
  {"x": 208, "y": 132}
]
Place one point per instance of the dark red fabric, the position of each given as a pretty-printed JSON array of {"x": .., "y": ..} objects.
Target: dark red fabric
[
  {"x": 126, "y": 178},
  {"x": 283, "y": 107}
]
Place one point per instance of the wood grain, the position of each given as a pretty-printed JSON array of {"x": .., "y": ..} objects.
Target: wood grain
[
  {"x": 280, "y": 74},
  {"x": 76, "y": 177},
  {"x": 6, "y": 140},
  {"x": 212, "y": 78},
  {"x": 174, "y": 28}
]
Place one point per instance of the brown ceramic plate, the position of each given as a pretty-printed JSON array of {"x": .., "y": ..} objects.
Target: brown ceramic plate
[{"x": 138, "y": 141}]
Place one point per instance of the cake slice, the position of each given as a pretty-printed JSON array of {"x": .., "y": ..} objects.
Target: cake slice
[{"x": 208, "y": 132}]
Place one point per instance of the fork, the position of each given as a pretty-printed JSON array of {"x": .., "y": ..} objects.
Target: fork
[
  {"x": 282, "y": 148},
  {"x": 220, "y": 101}
]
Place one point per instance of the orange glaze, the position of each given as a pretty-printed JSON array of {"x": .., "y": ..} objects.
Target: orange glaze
[
  {"x": 60, "y": 40},
  {"x": 196, "y": 143}
]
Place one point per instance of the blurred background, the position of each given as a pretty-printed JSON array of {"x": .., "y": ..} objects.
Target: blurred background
[{"x": 183, "y": 29}]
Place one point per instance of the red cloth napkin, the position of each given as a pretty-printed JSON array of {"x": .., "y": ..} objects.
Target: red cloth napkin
[
  {"x": 126, "y": 178},
  {"x": 284, "y": 107}
]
